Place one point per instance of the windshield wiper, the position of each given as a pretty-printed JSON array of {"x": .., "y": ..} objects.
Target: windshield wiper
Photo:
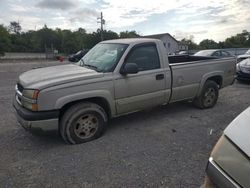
[
  {"x": 92, "y": 67},
  {"x": 83, "y": 64}
]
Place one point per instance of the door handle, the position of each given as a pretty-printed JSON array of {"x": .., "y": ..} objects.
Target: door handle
[{"x": 159, "y": 76}]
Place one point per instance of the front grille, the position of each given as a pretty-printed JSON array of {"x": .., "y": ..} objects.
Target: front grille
[
  {"x": 246, "y": 68},
  {"x": 19, "y": 87},
  {"x": 19, "y": 91}
]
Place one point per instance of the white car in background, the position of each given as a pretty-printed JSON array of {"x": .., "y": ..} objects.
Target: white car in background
[{"x": 243, "y": 56}]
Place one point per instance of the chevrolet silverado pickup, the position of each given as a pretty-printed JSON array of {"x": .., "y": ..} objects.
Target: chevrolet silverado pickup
[{"x": 114, "y": 78}]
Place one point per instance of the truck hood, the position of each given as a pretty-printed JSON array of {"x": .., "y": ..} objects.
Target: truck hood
[
  {"x": 46, "y": 77},
  {"x": 238, "y": 131}
]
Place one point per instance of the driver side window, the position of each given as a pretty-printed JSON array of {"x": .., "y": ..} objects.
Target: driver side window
[{"x": 146, "y": 57}]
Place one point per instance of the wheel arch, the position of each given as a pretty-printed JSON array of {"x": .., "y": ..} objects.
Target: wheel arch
[
  {"x": 217, "y": 77},
  {"x": 96, "y": 100}
]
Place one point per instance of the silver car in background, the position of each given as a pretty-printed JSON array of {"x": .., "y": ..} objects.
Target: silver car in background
[
  {"x": 213, "y": 53},
  {"x": 229, "y": 163}
]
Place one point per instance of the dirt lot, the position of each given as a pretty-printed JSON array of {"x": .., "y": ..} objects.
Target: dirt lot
[{"x": 163, "y": 147}]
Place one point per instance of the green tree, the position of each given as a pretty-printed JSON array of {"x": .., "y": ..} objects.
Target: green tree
[
  {"x": 81, "y": 37},
  {"x": 5, "y": 42},
  {"x": 109, "y": 35},
  {"x": 239, "y": 40},
  {"x": 31, "y": 41},
  {"x": 128, "y": 34},
  {"x": 221, "y": 45},
  {"x": 15, "y": 27},
  {"x": 69, "y": 42},
  {"x": 208, "y": 44},
  {"x": 191, "y": 45},
  {"x": 18, "y": 43},
  {"x": 95, "y": 37},
  {"x": 47, "y": 38}
]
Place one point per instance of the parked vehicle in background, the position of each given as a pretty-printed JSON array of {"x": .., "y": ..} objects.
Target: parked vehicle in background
[
  {"x": 183, "y": 53},
  {"x": 243, "y": 70},
  {"x": 189, "y": 52},
  {"x": 243, "y": 56},
  {"x": 77, "y": 56},
  {"x": 213, "y": 53},
  {"x": 114, "y": 78},
  {"x": 229, "y": 164}
]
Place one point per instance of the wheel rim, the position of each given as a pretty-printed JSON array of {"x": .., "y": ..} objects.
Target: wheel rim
[
  {"x": 209, "y": 97},
  {"x": 86, "y": 126}
]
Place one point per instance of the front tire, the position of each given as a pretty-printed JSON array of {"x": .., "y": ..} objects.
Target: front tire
[
  {"x": 208, "y": 96},
  {"x": 83, "y": 122}
]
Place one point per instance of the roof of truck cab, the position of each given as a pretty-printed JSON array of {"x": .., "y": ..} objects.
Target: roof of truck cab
[{"x": 130, "y": 40}]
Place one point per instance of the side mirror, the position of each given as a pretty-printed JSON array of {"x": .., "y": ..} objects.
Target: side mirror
[{"x": 129, "y": 68}]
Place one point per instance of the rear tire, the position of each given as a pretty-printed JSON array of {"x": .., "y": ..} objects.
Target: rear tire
[
  {"x": 83, "y": 122},
  {"x": 209, "y": 95}
]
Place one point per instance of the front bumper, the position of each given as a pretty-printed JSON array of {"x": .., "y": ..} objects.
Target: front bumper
[
  {"x": 216, "y": 174},
  {"x": 242, "y": 76},
  {"x": 45, "y": 120}
]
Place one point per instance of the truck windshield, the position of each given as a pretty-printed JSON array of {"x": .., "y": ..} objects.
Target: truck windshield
[{"x": 103, "y": 57}]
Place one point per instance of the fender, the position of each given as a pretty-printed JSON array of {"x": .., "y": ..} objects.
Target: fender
[
  {"x": 205, "y": 77},
  {"x": 60, "y": 102}
]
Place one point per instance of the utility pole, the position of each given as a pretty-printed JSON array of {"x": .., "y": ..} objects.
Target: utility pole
[{"x": 102, "y": 21}]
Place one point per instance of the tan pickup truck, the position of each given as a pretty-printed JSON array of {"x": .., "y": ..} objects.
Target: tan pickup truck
[{"x": 114, "y": 78}]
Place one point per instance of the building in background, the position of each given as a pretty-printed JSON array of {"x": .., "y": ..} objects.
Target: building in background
[{"x": 171, "y": 44}]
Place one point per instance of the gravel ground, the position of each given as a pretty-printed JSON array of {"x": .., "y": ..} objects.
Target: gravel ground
[{"x": 162, "y": 147}]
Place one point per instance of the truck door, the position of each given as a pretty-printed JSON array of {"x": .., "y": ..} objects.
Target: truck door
[{"x": 145, "y": 88}]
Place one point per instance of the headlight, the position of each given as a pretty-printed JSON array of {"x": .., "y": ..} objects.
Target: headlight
[
  {"x": 232, "y": 160},
  {"x": 30, "y": 106},
  {"x": 31, "y": 93},
  {"x": 238, "y": 67},
  {"x": 29, "y": 99}
]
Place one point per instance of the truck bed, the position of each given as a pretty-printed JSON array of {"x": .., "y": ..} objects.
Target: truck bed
[
  {"x": 187, "y": 58},
  {"x": 188, "y": 73}
]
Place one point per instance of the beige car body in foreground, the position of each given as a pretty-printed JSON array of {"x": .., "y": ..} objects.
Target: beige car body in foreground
[{"x": 229, "y": 163}]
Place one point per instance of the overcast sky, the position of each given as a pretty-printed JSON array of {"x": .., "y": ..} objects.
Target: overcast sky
[{"x": 212, "y": 19}]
